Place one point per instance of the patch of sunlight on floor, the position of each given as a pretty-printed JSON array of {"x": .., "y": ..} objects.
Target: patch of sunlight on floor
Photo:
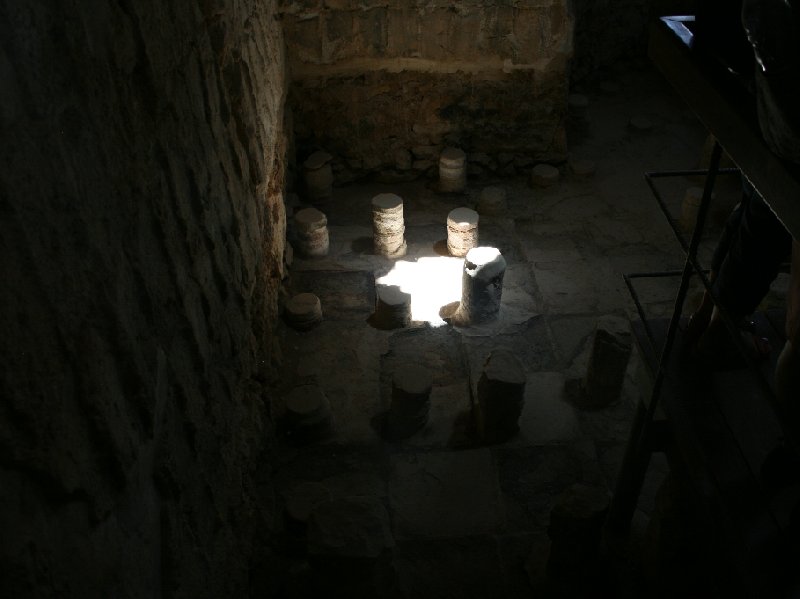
[{"x": 431, "y": 282}]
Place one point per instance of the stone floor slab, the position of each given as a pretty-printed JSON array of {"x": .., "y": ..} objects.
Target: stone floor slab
[
  {"x": 468, "y": 568},
  {"x": 444, "y": 494},
  {"x": 547, "y": 417},
  {"x": 580, "y": 286}
]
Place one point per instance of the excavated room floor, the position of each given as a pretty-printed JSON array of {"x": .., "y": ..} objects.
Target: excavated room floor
[{"x": 470, "y": 520}]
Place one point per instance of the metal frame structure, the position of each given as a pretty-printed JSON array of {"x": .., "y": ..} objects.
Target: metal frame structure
[{"x": 643, "y": 433}]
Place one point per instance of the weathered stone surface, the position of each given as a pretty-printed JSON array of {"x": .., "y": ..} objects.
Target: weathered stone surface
[
  {"x": 308, "y": 413},
  {"x": 388, "y": 225},
  {"x": 392, "y": 308},
  {"x": 501, "y": 396},
  {"x": 353, "y": 527},
  {"x": 444, "y": 494},
  {"x": 411, "y": 391},
  {"x": 546, "y": 416},
  {"x": 452, "y": 170},
  {"x": 312, "y": 232},
  {"x": 318, "y": 176},
  {"x": 350, "y": 547},
  {"x": 486, "y": 72},
  {"x": 481, "y": 287},
  {"x": 317, "y": 160},
  {"x": 142, "y": 235},
  {"x": 605, "y": 373},
  {"x": 462, "y": 231},
  {"x": 492, "y": 201},
  {"x": 304, "y": 311},
  {"x": 482, "y": 290},
  {"x": 544, "y": 175},
  {"x": 583, "y": 168}
]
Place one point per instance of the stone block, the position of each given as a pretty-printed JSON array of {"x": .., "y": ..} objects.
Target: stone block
[
  {"x": 402, "y": 40},
  {"x": 434, "y": 27},
  {"x": 445, "y": 494},
  {"x": 306, "y": 39},
  {"x": 608, "y": 360},
  {"x": 350, "y": 546},
  {"x": 501, "y": 396},
  {"x": 547, "y": 417},
  {"x": 544, "y": 175},
  {"x": 492, "y": 201},
  {"x": 352, "y": 527}
]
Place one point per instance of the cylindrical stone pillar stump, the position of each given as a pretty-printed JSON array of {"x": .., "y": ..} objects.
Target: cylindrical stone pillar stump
[
  {"x": 303, "y": 311},
  {"x": 605, "y": 373},
  {"x": 312, "y": 232},
  {"x": 501, "y": 396},
  {"x": 388, "y": 225},
  {"x": 308, "y": 413},
  {"x": 544, "y": 175},
  {"x": 318, "y": 176},
  {"x": 492, "y": 201},
  {"x": 482, "y": 285},
  {"x": 583, "y": 168},
  {"x": 392, "y": 308},
  {"x": 411, "y": 391},
  {"x": 300, "y": 501},
  {"x": 462, "y": 231},
  {"x": 577, "y": 105},
  {"x": 452, "y": 170}
]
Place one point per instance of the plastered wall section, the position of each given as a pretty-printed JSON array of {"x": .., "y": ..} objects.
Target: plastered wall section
[
  {"x": 141, "y": 243},
  {"x": 385, "y": 85}
]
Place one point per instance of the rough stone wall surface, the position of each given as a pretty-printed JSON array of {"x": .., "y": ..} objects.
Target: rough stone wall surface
[
  {"x": 141, "y": 239},
  {"x": 385, "y": 85}
]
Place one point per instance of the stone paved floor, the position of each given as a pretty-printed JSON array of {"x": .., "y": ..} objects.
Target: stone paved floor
[{"x": 468, "y": 520}]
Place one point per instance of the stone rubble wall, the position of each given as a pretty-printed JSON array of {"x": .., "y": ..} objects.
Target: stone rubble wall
[
  {"x": 141, "y": 232},
  {"x": 385, "y": 85}
]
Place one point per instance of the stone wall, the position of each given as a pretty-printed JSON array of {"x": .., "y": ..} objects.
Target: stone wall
[
  {"x": 385, "y": 85},
  {"x": 141, "y": 235}
]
